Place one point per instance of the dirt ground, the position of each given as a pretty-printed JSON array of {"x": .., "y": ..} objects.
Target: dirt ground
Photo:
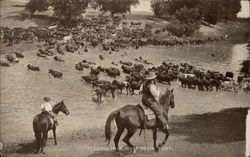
[
  {"x": 199, "y": 135},
  {"x": 217, "y": 134}
]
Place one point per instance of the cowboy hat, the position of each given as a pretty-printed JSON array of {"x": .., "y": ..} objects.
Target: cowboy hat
[
  {"x": 47, "y": 99},
  {"x": 151, "y": 76}
]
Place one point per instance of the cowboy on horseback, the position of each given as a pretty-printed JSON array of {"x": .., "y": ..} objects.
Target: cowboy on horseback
[
  {"x": 46, "y": 107},
  {"x": 150, "y": 98}
]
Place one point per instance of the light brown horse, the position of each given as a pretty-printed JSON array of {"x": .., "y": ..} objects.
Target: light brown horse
[{"x": 130, "y": 117}]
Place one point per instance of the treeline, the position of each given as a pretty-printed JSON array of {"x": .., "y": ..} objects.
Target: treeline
[
  {"x": 69, "y": 11},
  {"x": 210, "y": 11},
  {"x": 185, "y": 16}
]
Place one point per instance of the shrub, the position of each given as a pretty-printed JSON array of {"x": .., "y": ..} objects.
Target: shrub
[{"x": 182, "y": 29}]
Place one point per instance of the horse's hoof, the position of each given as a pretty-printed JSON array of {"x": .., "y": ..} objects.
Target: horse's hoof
[
  {"x": 156, "y": 149},
  {"x": 119, "y": 154},
  {"x": 159, "y": 147}
]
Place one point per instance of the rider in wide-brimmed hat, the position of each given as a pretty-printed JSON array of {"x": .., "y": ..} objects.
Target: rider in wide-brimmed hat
[
  {"x": 150, "y": 97},
  {"x": 47, "y": 107}
]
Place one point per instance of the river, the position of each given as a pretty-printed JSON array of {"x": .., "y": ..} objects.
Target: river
[{"x": 22, "y": 90}]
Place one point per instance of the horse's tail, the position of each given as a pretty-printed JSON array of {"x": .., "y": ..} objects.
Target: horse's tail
[
  {"x": 108, "y": 125},
  {"x": 39, "y": 129},
  {"x": 38, "y": 136}
]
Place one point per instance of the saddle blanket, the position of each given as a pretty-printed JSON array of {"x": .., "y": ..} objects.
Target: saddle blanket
[{"x": 149, "y": 113}]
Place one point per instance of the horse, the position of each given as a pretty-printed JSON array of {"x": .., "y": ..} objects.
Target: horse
[
  {"x": 42, "y": 124},
  {"x": 132, "y": 117}
]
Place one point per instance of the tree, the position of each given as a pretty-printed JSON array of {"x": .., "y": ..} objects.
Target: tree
[
  {"x": 37, "y": 5},
  {"x": 115, "y": 6},
  {"x": 245, "y": 69},
  {"x": 171, "y": 6},
  {"x": 69, "y": 11},
  {"x": 211, "y": 11},
  {"x": 186, "y": 15},
  {"x": 157, "y": 7},
  {"x": 229, "y": 8},
  {"x": 185, "y": 22}
]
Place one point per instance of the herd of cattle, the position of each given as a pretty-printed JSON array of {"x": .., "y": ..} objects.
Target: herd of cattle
[
  {"x": 188, "y": 75},
  {"x": 111, "y": 34},
  {"x": 99, "y": 31}
]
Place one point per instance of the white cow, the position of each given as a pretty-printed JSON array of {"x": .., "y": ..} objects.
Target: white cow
[
  {"x": 52, "y": 27},
  {"x": 68, "y": 38}
]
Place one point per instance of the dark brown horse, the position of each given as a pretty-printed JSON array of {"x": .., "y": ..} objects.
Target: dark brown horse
[
  {"x": 130, "y": 117},
  {"x": 42, "y": 124}
]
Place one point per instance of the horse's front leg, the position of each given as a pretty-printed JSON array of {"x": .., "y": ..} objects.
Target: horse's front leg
[
  {"x": 155, "y": 138},
  {"x": 54, "y": 135},
  {"x": 165, "y": 139}
]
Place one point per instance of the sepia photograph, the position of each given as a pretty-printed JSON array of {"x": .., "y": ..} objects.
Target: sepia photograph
[{"x": 124, "y": 78}]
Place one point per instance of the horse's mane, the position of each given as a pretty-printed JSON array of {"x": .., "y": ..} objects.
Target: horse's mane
[{"x": 56, "y": 106}]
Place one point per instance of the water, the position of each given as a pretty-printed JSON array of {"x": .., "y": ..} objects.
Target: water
[{"x": 22, "y": 90}]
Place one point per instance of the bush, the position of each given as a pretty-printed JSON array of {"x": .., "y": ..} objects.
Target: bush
[{"x": 180, "y": 29}]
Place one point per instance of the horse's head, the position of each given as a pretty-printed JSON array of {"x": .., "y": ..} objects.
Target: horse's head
[
  {"x": 167, "y": 99},
  {"x": 61, "y": 107},
  {"x": 50, "y": 70}
]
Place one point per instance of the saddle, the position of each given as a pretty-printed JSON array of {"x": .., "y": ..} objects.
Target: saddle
[
  {"x": 148, "y": 113},
  {"x": 50, "y": 118},
  {"x": 145, "y": 115}
]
